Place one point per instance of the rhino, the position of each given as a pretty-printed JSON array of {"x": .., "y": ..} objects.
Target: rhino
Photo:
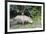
[{"x": 22, "y": 19}]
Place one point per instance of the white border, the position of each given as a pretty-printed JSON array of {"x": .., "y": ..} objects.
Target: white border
[{"x": 29, "y": 29}]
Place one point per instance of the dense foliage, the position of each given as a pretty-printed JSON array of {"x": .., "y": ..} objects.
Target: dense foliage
[{"x": 27, "y": 10}]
